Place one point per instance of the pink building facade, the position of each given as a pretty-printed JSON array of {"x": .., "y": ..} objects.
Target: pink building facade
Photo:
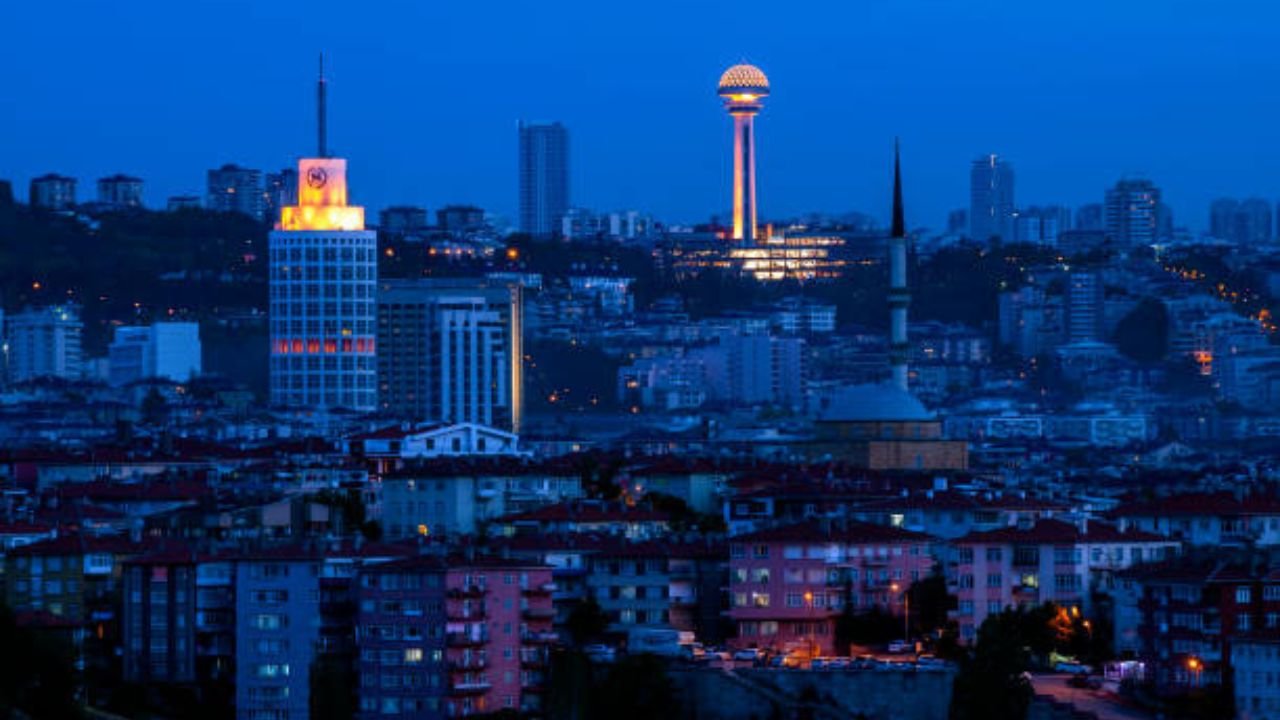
[{"x": 788, "y": 584}]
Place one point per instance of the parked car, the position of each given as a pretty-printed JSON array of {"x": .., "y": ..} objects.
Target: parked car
[
  {"x": 1073, "y": 668},
  {"x": 748, "y": 654},
  {"x": 901, "y": 646}
]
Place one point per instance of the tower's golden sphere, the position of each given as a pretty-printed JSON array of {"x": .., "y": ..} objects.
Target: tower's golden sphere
[{"x": 744, "y": 79}]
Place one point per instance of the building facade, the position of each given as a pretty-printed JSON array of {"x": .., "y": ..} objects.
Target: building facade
[
  {"x": 53, "y": 192},
  {"x": 168, "y": 350},
  {"x": 1132, "y": 213},
  {"x": 787, "y": 585},
  {"x": 451, "y": 351},
  {"x": 232, "y": 188},
  {"x": 44, "y": 342},
  {"x": 323, "y": 280},
  {"x": 991, "y": 203},
  {"x": 544, "y": 178},
  {"x": 120, "y": 192}
]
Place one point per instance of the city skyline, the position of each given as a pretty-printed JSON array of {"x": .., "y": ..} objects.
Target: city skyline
[{"x": 1070, "y": 129}]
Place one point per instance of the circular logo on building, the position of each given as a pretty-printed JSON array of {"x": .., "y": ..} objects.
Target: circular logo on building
[{"x": 316, "y": 177}]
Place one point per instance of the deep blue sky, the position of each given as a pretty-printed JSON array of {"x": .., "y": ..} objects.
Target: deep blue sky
[{"x": 425, "y": 96}]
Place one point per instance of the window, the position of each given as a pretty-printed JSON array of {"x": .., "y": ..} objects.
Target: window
[
  {"x": 795, "y": 600},
  {"x": 994, "y": 554},
  {"x": 1244, "y": 622},
  {"x": 966, "y": 581},
  {"x": 760, "y": 600},
  {"x": 760, "y": 551},
  {"x": 994, "y": 607},
  {"x": 792, "y": 576},
  {"x": 740, "y": 574},
  {"x": 760, "y": 575},
  {"x": 737, "y": 552},
  {"x": 792, "y": 552},
  {"x": 413, "y": 655},
  {"x": 994, "y": 580},
  {"x": 1271, "y": 592},
  {"x": 1243, "y": 595},
  {"x": 966, "y": 555}
]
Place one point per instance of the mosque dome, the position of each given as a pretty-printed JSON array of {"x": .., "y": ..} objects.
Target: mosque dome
[
  {"x": 744, "y": 78},
  {"x": 875, "y": 403}
]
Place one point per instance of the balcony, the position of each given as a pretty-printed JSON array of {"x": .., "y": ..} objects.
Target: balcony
[
  {"x": 538, "y": 613},
  {"x": 539, "y": 638},
  {"x": 533, "y": 658},
  {"x": 542, "y": 590},
  {"x": 466, "y": 639},
  {"x": 470, "y": 687},
  {"x": 464, "y": 664},
  {"x": 465, "y": 613},
  {"x": 470, "y": 591}
]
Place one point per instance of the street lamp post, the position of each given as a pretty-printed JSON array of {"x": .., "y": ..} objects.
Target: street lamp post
[{"x": 906, "y": 611}]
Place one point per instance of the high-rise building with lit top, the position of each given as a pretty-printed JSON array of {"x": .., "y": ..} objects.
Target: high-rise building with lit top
[
  {"x": 323, "y": 282},
  {"x": 743, "y": 89},
  {"x": 544, "y": 178}
]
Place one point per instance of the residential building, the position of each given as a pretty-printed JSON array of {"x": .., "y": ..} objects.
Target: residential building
[
  {"x": 280, "y": 190},
  {"x": 1084, "y": 307},
  {"x": 402, "y": 220},
  {"x": 277, "y": 626},
  {"x": 1254, "y": 661},
  {"x": 232, "y": 188},
  {"x": 459, "y": 218},
  {"x": 1132, "y": 213},
  {"x": 544, "y": 178},
  {"x": 44, "y": 342},
  {"x": 451, "y": 351},
  {"x": 53, "y": 192},
  {"x": 169, "y": 350},
  {"x": 1205, "y": 519},
  {"x": 1048, "y": 561},
  {"x": 120, "y": 192},
  {"x": 788, "y": 584}
]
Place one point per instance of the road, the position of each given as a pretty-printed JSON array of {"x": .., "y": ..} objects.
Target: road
[{"x": 1099, "y": 702}]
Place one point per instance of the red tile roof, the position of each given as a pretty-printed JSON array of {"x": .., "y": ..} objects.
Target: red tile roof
[
  {"x": 1047, "y": 532},
  {"x": 1200, "y": 504}
]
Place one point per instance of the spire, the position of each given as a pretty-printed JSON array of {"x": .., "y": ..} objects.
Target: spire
[
  {"x": 899, "y": 229},
  {"x": 322, "y": 149}
]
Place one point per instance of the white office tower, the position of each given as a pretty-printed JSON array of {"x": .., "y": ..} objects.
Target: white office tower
[
  {"x": 324, "y": 275},
  {"x": 169, "y": 350}
]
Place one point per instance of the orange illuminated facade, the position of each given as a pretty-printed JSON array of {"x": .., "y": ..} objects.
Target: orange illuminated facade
[{"x": 322, "y": 198}]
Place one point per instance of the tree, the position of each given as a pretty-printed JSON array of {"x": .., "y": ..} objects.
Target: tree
[
  {"x": 990, "y": 684},
  {"x": 636, "y": 688},
  {"x": 1143, "y": 334},
  {"x": 37, "y": 675},
  {"x": 333, "y": 687},
  {"x": 930, "y": 602},
  {"x": 586, "y": 621}
]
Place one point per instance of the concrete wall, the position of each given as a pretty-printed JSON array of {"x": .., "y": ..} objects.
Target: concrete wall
[{"x": 712, "y": 694}]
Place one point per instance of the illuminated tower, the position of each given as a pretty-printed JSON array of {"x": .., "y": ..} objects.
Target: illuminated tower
[
  {"x": 899, "y": 296},
  {"x": 743, "y": 88},
  {"x": 324, "y": 277}
]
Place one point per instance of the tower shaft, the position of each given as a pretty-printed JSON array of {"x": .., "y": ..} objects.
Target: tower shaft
[
  {"x": 744, "y": 177},
  {"x": 322, "y": 120}
]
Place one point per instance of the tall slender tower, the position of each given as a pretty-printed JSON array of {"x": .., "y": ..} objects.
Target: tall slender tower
[
  {"x": 743, "y": 89},
  {"x": 323, "y": 280},
  {"x": 899, "y": 296}
]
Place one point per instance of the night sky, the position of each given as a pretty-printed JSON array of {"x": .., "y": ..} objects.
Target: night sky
[{"x": 425, "y": 96}]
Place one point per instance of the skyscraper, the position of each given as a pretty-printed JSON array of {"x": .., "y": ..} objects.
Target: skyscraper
[
  {"x": 544, "y": 178},
  {"x": 450, "y": 350},
  {"x": 1222, "y": 217},
  {"x": 168, "y": 350},
  {"x": 743, "y": 89},
  {"x": 280, "y": 190},
  {"x": 1133, "y": 213},
  {"x": 232, "y": 188},
  {"x": 1090, "y": 217},
  {"x": 120, "y": 192},
  {"x": 324, "y": 274},
  {"x": 991, "y": 203}
]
